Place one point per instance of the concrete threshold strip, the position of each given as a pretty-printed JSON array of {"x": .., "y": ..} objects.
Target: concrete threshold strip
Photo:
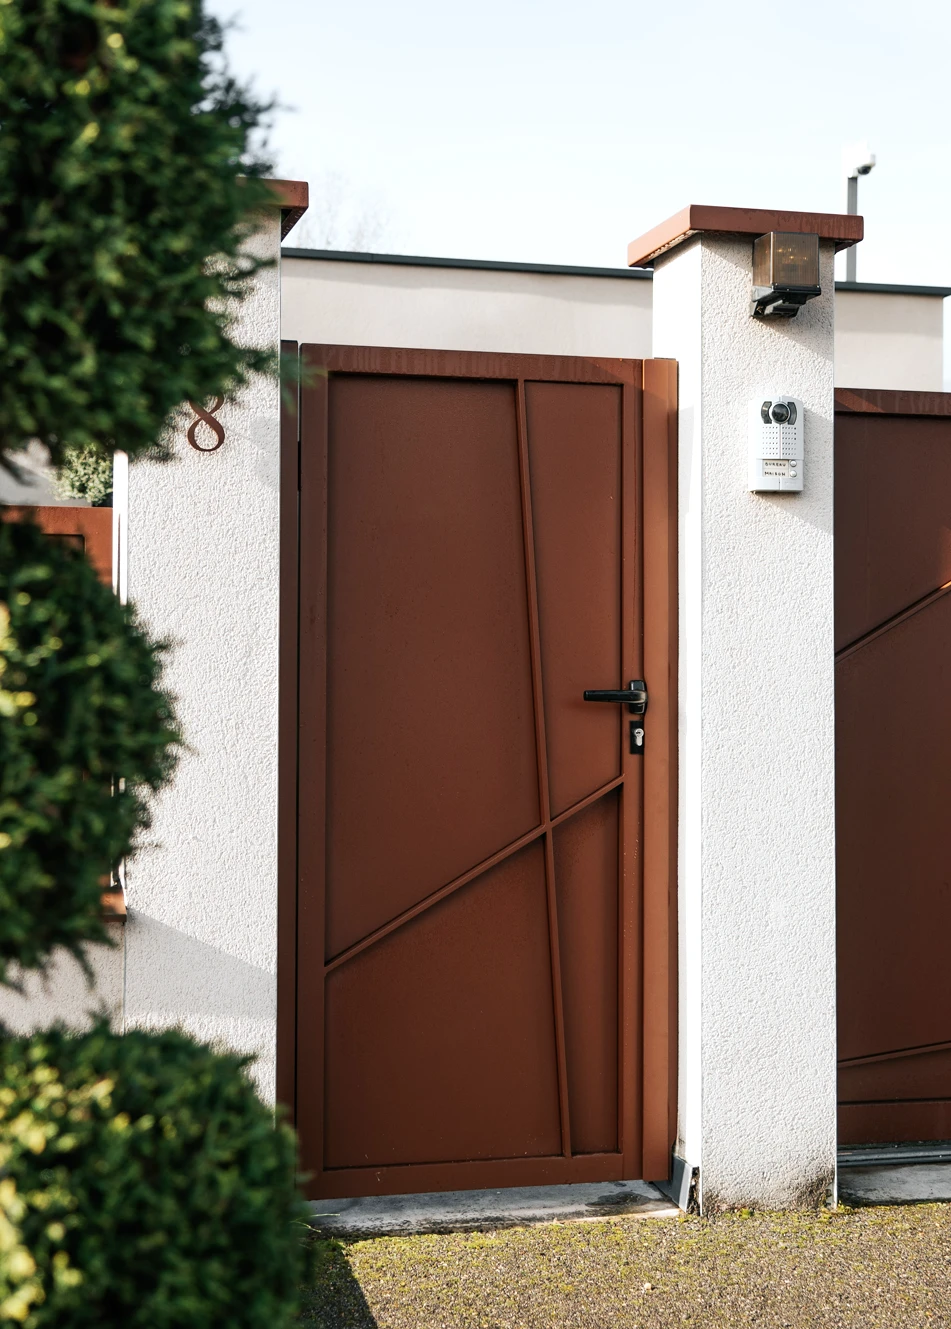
[
  {"x": 868, "y": 1174},
  {"x": 472, "y": 1211},
  {"x": 895, "y": 1174}
]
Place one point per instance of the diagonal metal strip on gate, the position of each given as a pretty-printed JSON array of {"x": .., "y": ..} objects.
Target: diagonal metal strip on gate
[{"x": 336, "y": 961}]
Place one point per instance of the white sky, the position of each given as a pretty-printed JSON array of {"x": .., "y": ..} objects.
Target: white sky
[{"x": 557, "y": 132}]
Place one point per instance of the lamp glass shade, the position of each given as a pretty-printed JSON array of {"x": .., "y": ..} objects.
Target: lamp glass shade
[{"x": 786, "y": 258}]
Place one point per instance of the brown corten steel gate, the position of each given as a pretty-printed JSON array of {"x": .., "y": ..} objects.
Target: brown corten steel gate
[
  {"x": 477, "y": 879},
  {"x": 89, "y": 529},
  {"x": 893, "y": 764}
]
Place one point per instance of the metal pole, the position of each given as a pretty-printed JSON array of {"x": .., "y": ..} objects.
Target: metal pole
[{"x": 852, "y": 207}]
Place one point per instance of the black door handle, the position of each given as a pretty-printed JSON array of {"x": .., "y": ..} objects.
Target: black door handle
[{"x": 634, "y": 696}]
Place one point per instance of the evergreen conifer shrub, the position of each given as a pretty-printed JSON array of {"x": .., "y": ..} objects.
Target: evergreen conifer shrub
[
  {"x": 85, "y": 473},
  {"x": 129, "y": 183},
  {"x": 86, "y": 735},
  {"x": 143, "y": 1185}
]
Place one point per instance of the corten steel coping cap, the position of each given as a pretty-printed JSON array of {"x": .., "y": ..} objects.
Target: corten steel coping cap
[
  {"x": 844, "y": 229},
  {"x": 293, "y": 197}
]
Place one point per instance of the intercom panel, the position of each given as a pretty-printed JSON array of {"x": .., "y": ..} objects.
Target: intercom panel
[{"x": 776, "y": 453}]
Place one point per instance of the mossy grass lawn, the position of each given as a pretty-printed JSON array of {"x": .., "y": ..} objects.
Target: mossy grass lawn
[{"x": 867, "y": 1268}]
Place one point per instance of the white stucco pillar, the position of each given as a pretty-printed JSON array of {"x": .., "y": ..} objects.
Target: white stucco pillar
[
  {"x": 757, "y": 1061},
  {"x": 203, "y": 539}
]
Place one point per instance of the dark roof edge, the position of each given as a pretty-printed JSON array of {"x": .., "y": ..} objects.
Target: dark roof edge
[
  {"x": 886, "y": 288},
  {"x": 486, "y": 264}
]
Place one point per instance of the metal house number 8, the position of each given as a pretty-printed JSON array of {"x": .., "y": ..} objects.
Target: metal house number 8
[{"x": 208, "y": 418}]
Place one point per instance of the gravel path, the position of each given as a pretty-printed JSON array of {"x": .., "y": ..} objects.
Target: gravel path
[{"x": 867, "y": 1268}]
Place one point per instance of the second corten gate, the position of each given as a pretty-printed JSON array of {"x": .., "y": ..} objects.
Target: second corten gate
[
  {"x": 477, "y": 878},
  {"x": 893, "y": 771}
]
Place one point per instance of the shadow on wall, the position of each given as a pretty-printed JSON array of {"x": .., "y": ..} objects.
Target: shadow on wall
[
  {"x": 175, "y": 980},
  {"x": 335, "y": 1300},
  {"x": 173, "y": 977},
  {"x": 63, "y": 994}
]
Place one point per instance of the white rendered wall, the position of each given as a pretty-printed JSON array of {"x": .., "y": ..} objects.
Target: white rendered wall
[
  {"x": 64, "y": 994},
  {"x": 757, "y": 848},
  {"x": 881, "y": 340},
  {"x": 203, "y": 545},
  {"x": 889, "y": 341},
  {"x": 464, "y": 309}
]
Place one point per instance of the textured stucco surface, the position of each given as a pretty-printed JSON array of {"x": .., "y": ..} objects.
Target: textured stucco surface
[
  {"x": 203, "y": 547},
  {"x": 64, "y": 994},
  {"x": 464, "y": 309},
  {"x": 677, "y": 309},
  {"x": 757, "y": 840}
]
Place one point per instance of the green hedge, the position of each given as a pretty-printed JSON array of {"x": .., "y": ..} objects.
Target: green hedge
[
  {"x": 128, "y": 184},
  {"x": 143, "y": 1185},
  {"x": 81, "y": 707}
]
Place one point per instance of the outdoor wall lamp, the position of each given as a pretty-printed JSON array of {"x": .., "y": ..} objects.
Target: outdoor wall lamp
[{"x": 785, "y": 273}]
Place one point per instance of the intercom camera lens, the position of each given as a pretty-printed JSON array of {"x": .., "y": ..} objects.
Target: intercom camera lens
[{"x": 780, "y": 413}]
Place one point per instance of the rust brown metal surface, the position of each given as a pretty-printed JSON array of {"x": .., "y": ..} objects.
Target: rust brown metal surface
[
  {"x": 893, "y": 544},
  {"x": 658, "y": 609},
  {"x": 472, "y": 917},
  {"x": 214, "y": 428},
  {"x": 441, "y": 1038},
  {"x": 287, "y": 740},
  {"x": 883, "y": 401},
  {"x": 586, "y": 876},
  {"x": 576, "y": 505},
  {"x": 89, "y": 528},
  {"x": 293, "y": 198},
  {"x": 426, "y": 566},
  {"x": 893, "y": 778},
  {"x": 843, "y": 228},
  {"x": 113, "y": 906}
]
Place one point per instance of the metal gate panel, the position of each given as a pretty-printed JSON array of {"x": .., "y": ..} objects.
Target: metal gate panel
[
  {"x": 470, "y": 1000},
  {"x": 412, "y": 1077},
  {"x": 430, "y": 735},
  {"x": 892, "y": 541},
  {"x": 90, "y": 529},
  {"x": 893, "y": 781}
]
